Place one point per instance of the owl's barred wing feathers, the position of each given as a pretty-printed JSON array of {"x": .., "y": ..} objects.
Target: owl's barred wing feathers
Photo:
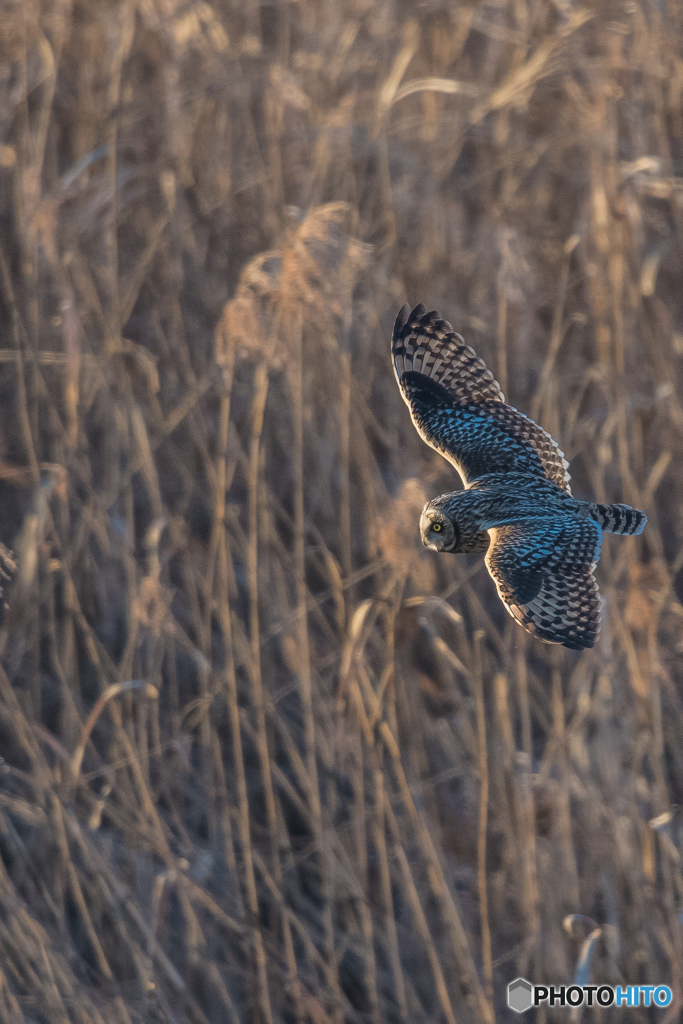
[
  {"x": 566, "y": 610},
  {"x": 543, "y": 571},
  {"x": 424, "y": 343},
  {"x": 458, "y": 407}
]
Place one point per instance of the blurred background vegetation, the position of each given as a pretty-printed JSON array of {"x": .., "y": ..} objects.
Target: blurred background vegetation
[{"x": 265, "y": 759}]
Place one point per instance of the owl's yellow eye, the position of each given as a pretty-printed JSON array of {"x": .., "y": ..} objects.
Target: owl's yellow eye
[{"x": 436, "y": 527}]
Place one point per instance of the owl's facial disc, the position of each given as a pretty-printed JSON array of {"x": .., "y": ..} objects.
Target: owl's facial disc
[{"x": 436, "y": 530}]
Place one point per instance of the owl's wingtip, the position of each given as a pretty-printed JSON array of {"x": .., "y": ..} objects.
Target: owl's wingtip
[
  {"x": 406, "y": 316},
  {"x": 402, "y": 318}
]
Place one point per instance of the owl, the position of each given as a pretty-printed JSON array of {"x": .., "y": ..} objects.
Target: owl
[{"x": 541, "y": 543}]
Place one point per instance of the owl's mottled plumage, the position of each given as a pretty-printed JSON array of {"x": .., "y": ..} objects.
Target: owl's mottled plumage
[{"x": 542, "y": 544}]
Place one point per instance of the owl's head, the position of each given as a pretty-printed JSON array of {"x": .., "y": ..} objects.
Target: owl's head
[
  {"x": 438, "y": 532},
  {"x": 447, "y": 525}
]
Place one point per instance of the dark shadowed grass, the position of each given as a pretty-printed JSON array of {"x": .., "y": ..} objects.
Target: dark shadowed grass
[{"x": 266, "y": 759}]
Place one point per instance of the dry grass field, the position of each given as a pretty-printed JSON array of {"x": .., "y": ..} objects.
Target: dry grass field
[{"x": 265, "y": 759}]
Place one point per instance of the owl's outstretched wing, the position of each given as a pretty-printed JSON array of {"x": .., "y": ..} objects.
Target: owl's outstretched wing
[
  {"x": 543, "y": 571},
  {"x": 459, "y": 409}
]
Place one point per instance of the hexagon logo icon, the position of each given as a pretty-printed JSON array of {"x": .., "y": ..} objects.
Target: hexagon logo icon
[{"x": 520, "y": 995}]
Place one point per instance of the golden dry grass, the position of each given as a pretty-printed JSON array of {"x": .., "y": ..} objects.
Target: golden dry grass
[{"x": 265, "y": 759}]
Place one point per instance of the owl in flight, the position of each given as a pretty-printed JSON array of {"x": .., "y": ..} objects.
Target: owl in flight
[{"x": 541, "y": 544}]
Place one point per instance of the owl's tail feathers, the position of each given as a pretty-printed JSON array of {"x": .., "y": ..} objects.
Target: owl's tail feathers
[{"x": 619, "y": 518}]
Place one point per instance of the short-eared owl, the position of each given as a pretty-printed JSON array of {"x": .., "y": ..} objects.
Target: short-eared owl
[{"x": 541, "y": 543}]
